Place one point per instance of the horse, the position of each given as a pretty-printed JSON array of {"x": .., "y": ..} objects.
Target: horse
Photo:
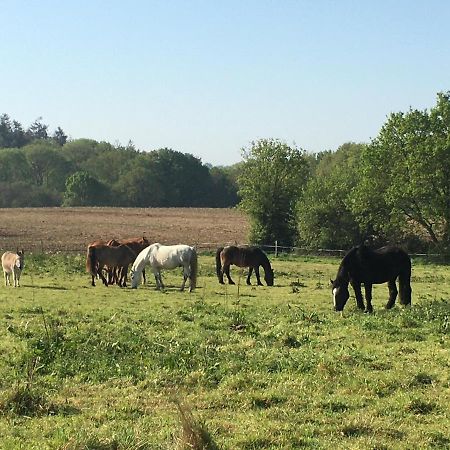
[
  {"x": 136, "y": 244},
  {"x": 166, "y": 257},
  {"x": 251, "y": 257},
  {"x": 101, "y": 255},
  {"x": 363, "y": 265},
  {"x": 13, "y": 263}
]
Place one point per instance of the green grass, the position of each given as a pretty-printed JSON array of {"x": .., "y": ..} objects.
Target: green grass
[{"x": 231, "y": 367}]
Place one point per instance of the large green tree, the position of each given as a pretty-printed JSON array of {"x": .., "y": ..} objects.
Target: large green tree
[
  {"x": 82, "y": 189},
  {"x": 406, "y": 177},
  {"x": 271, "y": 180},
  {"x": 325, "y": 219}
]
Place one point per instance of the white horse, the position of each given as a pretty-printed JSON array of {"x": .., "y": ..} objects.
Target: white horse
[
  {"x": 166, "y": 257},
  {"x": 13, "y": 263}
]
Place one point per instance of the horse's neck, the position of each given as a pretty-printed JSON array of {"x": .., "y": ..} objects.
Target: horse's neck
[
  {"x": 266, "y": 263},
  {"x": 343, "y": 275}
]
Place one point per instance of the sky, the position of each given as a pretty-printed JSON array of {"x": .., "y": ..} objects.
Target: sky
[{"x": 210, "y": 77}]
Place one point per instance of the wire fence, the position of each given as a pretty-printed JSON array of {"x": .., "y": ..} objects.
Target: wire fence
[{"x": 206, "y": 247}]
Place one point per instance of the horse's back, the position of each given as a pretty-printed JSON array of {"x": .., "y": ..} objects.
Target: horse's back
[
  {"x": 379, "y": 265},
  {"x": 171, "y": 256},
  {"x": 242, "y": 256}
]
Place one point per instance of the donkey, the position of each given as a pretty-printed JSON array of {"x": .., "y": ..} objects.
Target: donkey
[{"x": 13, "y": 263}]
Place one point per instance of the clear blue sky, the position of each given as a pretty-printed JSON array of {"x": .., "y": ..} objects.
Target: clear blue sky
[{"x": 209, "y": 77}]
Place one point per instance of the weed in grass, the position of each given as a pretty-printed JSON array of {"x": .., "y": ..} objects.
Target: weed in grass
[
  {"x": 419, "y": 406},
  {"x": 421, "y": 379},
  {"x": 194, "y": 435},
  {"x": 439, "y": 441}
]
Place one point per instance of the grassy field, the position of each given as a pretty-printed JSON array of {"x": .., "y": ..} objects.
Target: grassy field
[{"x": 230, "y": 367}]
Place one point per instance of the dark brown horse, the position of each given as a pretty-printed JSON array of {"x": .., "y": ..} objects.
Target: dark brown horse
[
  {"x": 101, "y": 255},
  {"x": 137, "y": 245},
  {"x": 251, "y": 257},
  {"x": 363, "y": 265}
]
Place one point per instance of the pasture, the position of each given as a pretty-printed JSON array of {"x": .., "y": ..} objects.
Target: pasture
[{"x": 235, "y": 367}]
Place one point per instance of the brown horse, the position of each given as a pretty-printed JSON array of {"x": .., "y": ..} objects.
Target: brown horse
[
  {"x": 137, "y": 245},
  {"x": 101, "y": 255},
  {"x": 251, "y": 257}
]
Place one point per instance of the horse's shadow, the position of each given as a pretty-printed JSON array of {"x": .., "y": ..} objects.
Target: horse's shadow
[{"x": 54, "y": 288}]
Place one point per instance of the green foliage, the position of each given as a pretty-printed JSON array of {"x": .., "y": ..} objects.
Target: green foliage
[
  {"x": 271, "y": 180},
  {"x": 325, "y": 219},
  {"x": 82, "y": 172},
  {"x": 405, "y": 178},
  {"x": 84, "y": 190}
]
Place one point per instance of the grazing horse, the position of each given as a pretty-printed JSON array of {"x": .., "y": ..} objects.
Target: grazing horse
[
  {"x": 362, "y": 265},
  {"x": 251, "y": 257},
  {"x": 166, "y": 257},
  {"x": 101, "y": 255},
  {"x": 136, "y": 244},
  {"x": 13, "y": 263}
]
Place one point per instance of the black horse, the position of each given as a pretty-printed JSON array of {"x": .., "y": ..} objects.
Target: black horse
[
  {"x": 251, "y": 257},
  {"x": 362, "y": 265}
]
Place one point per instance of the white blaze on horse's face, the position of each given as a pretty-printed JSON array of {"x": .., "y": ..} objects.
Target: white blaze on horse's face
[{"x": 334, "y": 296}]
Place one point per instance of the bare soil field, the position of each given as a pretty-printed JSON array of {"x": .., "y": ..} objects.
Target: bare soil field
[{"x": 71, "y": 229}]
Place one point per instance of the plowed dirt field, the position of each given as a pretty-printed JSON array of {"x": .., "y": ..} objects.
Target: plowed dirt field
[{"x": 71, "y": 229}]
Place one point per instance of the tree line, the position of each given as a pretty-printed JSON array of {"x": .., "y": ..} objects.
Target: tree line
[
  {"x": 42, "y": 169},
  {"x": 395, "y": 189}
]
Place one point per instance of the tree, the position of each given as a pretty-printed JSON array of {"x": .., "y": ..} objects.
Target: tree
[
  {"x": 325, "y": 219},
  {"x": 84, "y": 190},
  {"x": 59, "y": 136},
  {"x": 406, "y": 181},
  {"x": 48, "y": 166},
  {"x": 14, "y": 166},
  {"x": 272, "y": 178},
  {"x": 37, "y": 130},
  {"x": 139, "y": 184}
]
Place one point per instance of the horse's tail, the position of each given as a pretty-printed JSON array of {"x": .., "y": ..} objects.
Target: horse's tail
[
  {"x": 193, "y": 264},
  {"x": 91, "y": 260},
  {"x": 219, "y": 263},
  {"x": 404, "y": 284}
]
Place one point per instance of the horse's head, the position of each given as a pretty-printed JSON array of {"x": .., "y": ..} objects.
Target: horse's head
[
  {"x": 340, "y": 294},
  {"x": 135, "y": 278},
  {"x": 268, "y": 276}
]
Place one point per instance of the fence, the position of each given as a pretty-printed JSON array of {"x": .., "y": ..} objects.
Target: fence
[{"x": 273, "y": 249}]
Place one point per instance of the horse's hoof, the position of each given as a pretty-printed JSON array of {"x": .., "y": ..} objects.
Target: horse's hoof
[
  {"x": 231, "y": 282},
  {"x": 368, "y": 311}
]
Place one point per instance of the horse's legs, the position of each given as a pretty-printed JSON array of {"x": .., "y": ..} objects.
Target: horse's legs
[
  {"x": 6, "y": 278},
  {"x": 257, "y": 276},
  {"x": 226, "y": 271},
  {"x": 16, "y": 276},
  {"x": 123, "y": 271},
  {"x": 143, "y": 276},
  {"x": 158, "y": 280},
  {"x": 368, "y": 290},
  {"x": 186, "y": 275},
  {"x": 100, "y": 274},
  {"x": 250, "y": 270},
  {"x": 358, "y": 294},
  {"x": 392, "y": 294}
]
